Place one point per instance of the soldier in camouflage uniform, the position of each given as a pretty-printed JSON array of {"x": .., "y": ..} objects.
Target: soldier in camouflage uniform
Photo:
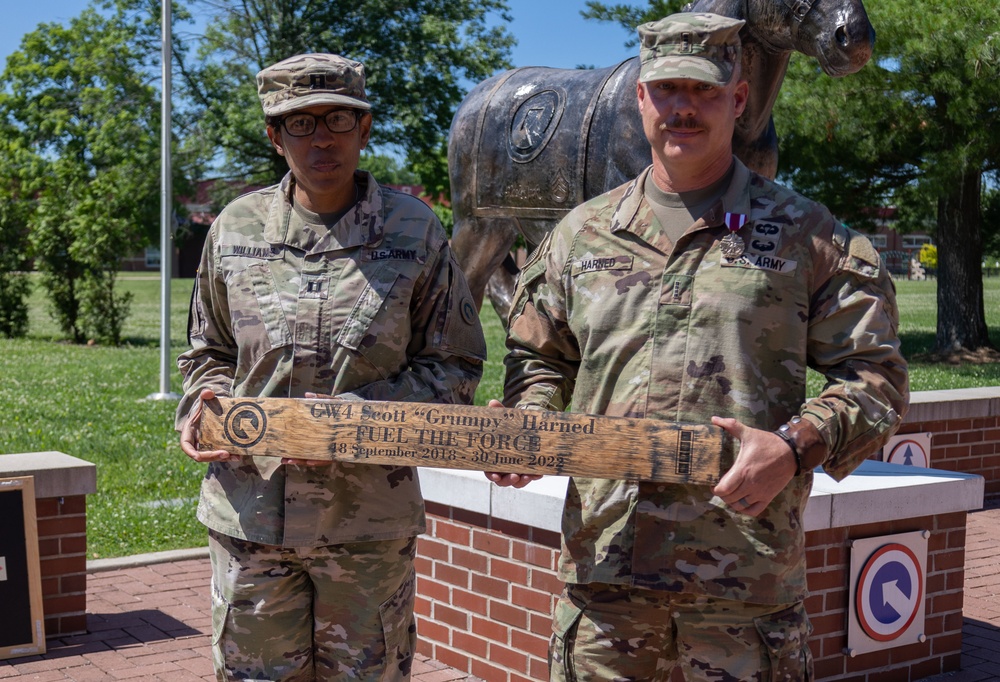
[
  {"x": 701, "y": 291},
  {"x": 323, "y": 284}
]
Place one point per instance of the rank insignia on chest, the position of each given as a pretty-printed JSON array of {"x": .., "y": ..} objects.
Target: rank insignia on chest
[{"x": 314, "y": 286}]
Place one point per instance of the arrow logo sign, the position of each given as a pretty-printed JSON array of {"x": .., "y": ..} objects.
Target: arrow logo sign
[
  {"x": 890, "y": 591},
  {"x": 909, "y": 451},
  {"x": 894, "y": 598}
]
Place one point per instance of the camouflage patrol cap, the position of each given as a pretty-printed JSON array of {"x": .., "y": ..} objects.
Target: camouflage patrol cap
[
  {"x": 694, "y": 45},
  {"x": 309, "y": 79}
]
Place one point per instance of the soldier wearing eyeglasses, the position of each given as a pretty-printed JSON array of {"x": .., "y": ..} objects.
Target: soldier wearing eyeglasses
[{"x": 326, "y": 283}]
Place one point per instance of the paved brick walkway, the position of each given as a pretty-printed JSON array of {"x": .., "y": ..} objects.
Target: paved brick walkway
[
  {"x": 151, "y": 623},
  {"x": 981, "y": 629}
]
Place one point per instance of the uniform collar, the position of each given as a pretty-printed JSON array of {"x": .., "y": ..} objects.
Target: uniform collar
[
  {"x": 633, "y": 213},
  {"x": 362, "y": 225}
]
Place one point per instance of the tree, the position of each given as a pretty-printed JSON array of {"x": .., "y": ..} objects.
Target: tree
[
  {"x": 629, "y": 17},
  {"x": 85, "y": 125},
  {"x": 14, "y": 284},
  {"x": 416, "y": 53},
  {"x": 387, "y": 169},
  {"x": 916, "y": 128},
  {"x": 991, "y": 222}
]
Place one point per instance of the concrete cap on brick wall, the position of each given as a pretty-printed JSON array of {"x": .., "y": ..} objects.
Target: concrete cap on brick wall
[{"x": 56, "y": 474}]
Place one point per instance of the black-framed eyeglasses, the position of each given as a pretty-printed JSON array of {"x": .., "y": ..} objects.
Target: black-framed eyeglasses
[{"x": 337, "y": 121}]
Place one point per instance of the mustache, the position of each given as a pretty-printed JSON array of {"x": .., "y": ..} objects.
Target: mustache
[{"x": 680, "y": 122}]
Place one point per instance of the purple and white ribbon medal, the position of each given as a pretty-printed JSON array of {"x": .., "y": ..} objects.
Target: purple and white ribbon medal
[{"x": 732, "y": 244}]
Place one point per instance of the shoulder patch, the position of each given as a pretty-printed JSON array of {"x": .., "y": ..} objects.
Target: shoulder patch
[
  {"x": 859, "y": 256},
  {"x": 468, "y": 310},
  {"x": 532, "y": 270}
]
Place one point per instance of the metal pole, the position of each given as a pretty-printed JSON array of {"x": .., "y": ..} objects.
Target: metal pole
[{"x": 166, "y": 213}]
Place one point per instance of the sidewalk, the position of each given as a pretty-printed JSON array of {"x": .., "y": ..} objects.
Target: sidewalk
[
  {"x": 151, "y": 622},
  {"x": 981, "y": 610}
]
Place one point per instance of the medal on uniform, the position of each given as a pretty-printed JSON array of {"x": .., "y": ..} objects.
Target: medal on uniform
[{"x": 732, "y": 244}]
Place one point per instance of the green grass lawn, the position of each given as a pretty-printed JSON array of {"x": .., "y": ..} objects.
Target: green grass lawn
[
  {"x": 917, "y": 329},
  {"x": 89, "y": 402}
]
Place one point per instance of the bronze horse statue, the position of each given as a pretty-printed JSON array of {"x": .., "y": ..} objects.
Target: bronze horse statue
[{"x": 527, "y": 145}]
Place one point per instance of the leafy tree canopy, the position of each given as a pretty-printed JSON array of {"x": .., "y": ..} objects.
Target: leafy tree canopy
[
  {"x": 82, "y": 128},
  {"x": 416, "y": 54},
  {"x": 922, "y": 112},
  {"x": 14, "y": 283},
  {"x": 387, "y": 169},
  {"x": 629, "y": 16},
  {"x": 918, "y": 129}
]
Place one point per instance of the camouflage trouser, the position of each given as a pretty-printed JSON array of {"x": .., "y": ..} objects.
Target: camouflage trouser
[
  {"x": 611, "y": 632},
  {"x": 341, "y": 612}
]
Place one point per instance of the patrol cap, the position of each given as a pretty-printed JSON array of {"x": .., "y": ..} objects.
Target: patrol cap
[
  {"x": 310, "y": 79},
  {"x": 694, "y": 45}
]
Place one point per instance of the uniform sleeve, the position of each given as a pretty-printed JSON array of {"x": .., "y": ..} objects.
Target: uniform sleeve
[
  {"x": 543, "y": 357},
  {"x": 447, "y": 347},
  {"x": 854, "y": 343},
  {"x": 211, "y": 361}
]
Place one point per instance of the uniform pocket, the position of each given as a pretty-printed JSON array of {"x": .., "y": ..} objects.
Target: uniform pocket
[
  {"x": 399, "y": 631},
  {"x": 272, "y": 313},
  {"x": 366, "y": 308},
  {"x": 257, "y": 318},
  {"x": 785, "y": 635},
  {"x": 220, "y": 615},
  {"x": 460, "y": 331},
  {"x": 565, "y": 621}
]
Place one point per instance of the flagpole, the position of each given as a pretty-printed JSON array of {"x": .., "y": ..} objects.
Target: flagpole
[{"x": 166, "y": 212}]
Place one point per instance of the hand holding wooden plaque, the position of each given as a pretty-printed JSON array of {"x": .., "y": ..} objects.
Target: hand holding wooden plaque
[{"x": 467, "y": 437}]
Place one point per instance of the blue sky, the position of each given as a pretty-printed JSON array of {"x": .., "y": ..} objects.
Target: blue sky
[{"x": 549, "y": 32}]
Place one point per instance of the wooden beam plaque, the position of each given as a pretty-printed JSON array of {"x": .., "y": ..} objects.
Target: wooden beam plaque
[{"x": 468, "y": 437}]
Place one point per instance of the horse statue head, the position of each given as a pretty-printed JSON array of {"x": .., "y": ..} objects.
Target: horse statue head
[{"x": 836, "y": 33}]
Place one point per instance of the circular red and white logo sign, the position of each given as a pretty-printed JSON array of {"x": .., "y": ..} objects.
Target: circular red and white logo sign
[
  {"x": 890, "y": 591},
  {"x": 909, "y": 453}
]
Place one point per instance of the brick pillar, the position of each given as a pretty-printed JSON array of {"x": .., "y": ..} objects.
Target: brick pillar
[
  {"x": 62, "y": 549},
  {"x": 62, "y": 484}
]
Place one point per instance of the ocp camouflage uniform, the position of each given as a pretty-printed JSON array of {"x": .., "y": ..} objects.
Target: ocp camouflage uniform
[
  {"x": 610, "y": 317},
  {"x": 373, "y": 308}
]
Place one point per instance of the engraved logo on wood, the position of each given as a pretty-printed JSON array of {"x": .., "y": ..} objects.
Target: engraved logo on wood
[{"x": 245, "y": 424}]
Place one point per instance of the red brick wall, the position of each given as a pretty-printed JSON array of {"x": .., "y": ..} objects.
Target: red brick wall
[
  {"x": 62, "y": 550},
  {"x": 968, "y": 446},
  {"x": 485, "y": 594},
  {"x": 828, "y": 557}
]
